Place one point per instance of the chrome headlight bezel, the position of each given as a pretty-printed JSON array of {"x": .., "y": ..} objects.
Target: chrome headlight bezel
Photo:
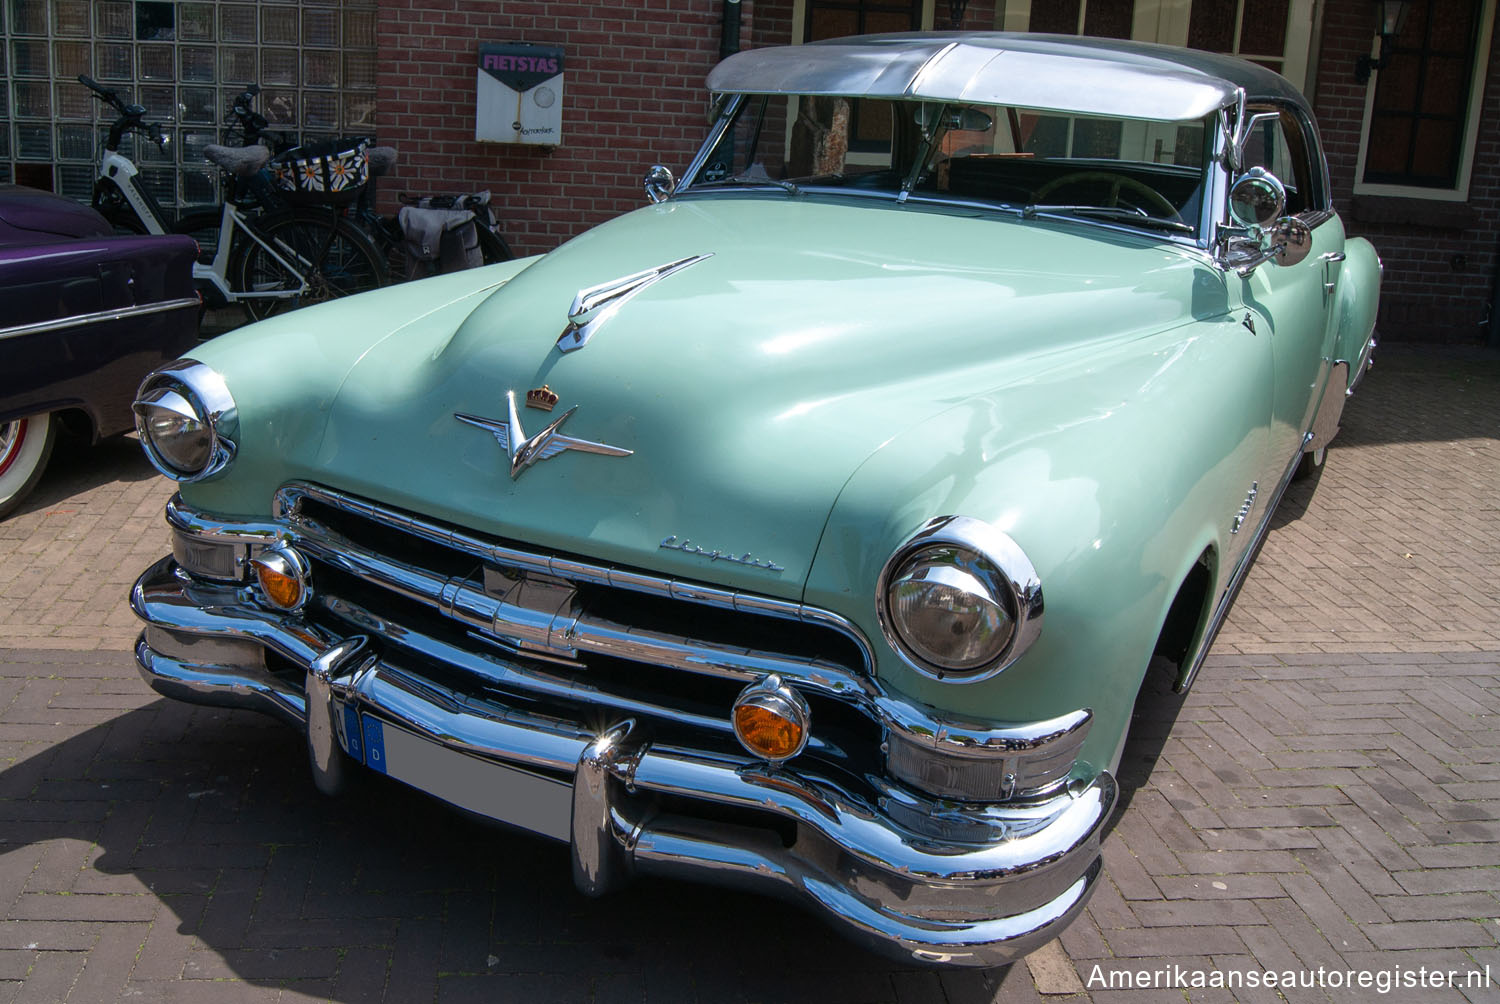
[
  {"x": 1005, "y": 573},
  {"x": 196, "y": 391}
]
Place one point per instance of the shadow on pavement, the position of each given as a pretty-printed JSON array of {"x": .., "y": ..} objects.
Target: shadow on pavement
[
  {"x": 385, "y": 892},
  {"x": 77, "y": 467},
  {"x": 1425, "y": 393}
]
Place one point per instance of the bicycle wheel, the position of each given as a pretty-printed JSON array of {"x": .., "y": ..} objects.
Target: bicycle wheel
[
  {"x": 322, "y": 255},
  {"x": 493, "y": 246}
]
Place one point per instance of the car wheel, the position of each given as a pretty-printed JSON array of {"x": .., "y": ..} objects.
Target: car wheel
[
  {"x": 1311, "y": 463},
  {"x": 25, "y": 446}
]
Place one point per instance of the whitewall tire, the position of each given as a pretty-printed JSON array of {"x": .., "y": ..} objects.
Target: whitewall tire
[{"x": 25, "y": 446}]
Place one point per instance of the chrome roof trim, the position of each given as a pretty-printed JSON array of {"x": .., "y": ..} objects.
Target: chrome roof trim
[{"x": 1044, "y": 72}]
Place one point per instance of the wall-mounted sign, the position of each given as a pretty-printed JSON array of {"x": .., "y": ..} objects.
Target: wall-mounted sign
[{"x": 520, "y": 94}]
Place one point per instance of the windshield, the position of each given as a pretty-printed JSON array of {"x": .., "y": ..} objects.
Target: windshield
[{"x": 1117, "y": 171}]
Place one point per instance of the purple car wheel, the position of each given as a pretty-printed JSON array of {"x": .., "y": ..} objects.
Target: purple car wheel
[{"x": 25, "y": 446}]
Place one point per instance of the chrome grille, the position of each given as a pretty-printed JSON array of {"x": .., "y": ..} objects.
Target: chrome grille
[{"x": 555, "y": 626}]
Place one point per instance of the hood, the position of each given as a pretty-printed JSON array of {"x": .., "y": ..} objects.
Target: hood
[{"x": 748, "y": 386}]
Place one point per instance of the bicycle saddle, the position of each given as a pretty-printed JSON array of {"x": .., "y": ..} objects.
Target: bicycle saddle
[
  {"x": 382, "y": 159},
  {"x": 241, "y": 161}
]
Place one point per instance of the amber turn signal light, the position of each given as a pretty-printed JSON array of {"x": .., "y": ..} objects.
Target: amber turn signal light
[
  {"x": 282, "y": 574},
  {"x": 771, "y": 720}
]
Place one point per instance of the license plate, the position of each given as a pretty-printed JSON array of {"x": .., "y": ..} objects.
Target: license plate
[{"x": 540, "y": 804}]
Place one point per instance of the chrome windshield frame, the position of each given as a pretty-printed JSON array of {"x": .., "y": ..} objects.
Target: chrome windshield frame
[{"x": 1215, "y": 180}]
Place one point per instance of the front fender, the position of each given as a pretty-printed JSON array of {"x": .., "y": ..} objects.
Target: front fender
[{"x": 1115, "y": 474}]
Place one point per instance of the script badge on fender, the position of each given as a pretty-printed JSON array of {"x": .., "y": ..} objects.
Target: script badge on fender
[{"x": 545, "y": 445}]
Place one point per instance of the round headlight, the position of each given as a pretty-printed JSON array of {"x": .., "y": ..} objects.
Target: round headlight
[
  {"x": 947, "y": 605},
  {"x": 186, "y": 420},
  {"x": 174, "y": 428},
  {"x": 959, "y": 601}
]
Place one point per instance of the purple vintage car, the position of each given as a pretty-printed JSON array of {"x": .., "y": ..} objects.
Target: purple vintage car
[{"x": 84, "y": 315}]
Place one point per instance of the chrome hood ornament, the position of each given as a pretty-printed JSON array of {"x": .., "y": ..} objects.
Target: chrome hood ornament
[
  {"x": 597, "y": 304},
  {"x": 545, "y": 445}
]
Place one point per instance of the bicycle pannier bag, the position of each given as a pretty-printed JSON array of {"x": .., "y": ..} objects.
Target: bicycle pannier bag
[
  {"x": 332, "y": 172},
  {"x": 444, "y": 239}
]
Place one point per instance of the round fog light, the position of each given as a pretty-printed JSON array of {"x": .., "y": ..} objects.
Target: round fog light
[
  {"x": 771, "y": 720},
  {"x": 282, "y": 574}
]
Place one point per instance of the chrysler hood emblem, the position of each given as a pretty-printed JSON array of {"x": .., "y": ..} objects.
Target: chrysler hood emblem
[{"x": 545, "y": 445}]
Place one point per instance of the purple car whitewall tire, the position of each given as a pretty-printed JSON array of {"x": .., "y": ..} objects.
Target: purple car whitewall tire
[{"x": 25, "y": 446}]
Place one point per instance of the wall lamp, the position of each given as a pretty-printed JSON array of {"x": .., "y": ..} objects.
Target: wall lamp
[{"x": 1390, "y": 17}]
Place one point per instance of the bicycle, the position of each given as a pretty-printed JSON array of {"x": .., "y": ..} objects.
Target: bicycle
[
  {"x": 248, "y": 128},
  {"x": 265, "y": 256}
]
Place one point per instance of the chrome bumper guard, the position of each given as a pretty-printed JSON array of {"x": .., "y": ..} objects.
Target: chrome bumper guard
[{"x": 934, "y": 881}]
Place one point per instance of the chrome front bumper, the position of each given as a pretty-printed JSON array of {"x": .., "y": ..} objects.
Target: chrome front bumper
[{"x": 939, "y": 882}]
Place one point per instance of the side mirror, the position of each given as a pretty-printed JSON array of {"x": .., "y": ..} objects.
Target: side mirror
[
  {"x": 659, "y": 183},
  {"x": 1257, "y": 199},
  {"x": 1291, "y": 241}
]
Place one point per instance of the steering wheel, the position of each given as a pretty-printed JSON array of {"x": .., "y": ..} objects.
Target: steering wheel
[{"x": 1117, "y": 182}]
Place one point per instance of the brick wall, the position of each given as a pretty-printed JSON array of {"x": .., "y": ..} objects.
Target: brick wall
[
  {"x": 1438, "y": 280},
  {"x": 633, "y": 97}
]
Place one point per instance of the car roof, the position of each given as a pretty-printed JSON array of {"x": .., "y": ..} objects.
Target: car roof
[{"x": 1062, "y": 73}]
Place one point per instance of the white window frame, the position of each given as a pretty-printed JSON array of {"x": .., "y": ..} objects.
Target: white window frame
[{"x": 1460, "y": 191}]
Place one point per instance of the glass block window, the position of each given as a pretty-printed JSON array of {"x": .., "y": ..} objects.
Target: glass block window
[{"x": 185, "y": 61}]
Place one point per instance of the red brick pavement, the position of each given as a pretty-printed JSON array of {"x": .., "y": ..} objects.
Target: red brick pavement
[{"x": 1327, "y": 796}]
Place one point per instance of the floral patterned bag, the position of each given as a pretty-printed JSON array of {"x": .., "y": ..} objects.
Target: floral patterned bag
[{"x": 332, "y": 172}]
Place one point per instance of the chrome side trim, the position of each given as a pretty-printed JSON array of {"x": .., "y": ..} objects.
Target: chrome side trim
[
  {"x": 98, "y": 317},
  {"x": 1365, "y": 364},
  {"x": 1241, "y": 569},
  {"x": 1325, "y": 423}
]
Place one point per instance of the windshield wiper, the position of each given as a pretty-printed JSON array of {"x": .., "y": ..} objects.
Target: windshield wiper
[
  {"x": 1133, "y": 216},
  {"x": 760, "y": 179}
]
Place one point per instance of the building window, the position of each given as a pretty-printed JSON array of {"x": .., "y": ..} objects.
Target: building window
[
  {"x": 1251, "y": 29},
  {"x": 185, "y": 61},
  {"x": 1099, "y": 18},
  {"x": 1419, "y": 113},
  {"x": 869, "y": 121}
]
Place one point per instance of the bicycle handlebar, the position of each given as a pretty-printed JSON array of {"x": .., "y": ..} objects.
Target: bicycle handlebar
[
  {"x": 132, "y": 117},
  {"x": 104, "y": 94}
]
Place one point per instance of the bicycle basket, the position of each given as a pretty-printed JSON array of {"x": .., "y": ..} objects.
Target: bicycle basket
[{"x": 333, "y": 172}]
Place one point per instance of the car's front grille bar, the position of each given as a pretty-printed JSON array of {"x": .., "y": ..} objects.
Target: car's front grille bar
[
  {"x": 289, "y": 499},
  {"x": 466, "y": 602}
]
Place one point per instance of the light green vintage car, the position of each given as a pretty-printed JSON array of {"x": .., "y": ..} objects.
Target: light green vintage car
[{"x": 812, "y": 528}]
